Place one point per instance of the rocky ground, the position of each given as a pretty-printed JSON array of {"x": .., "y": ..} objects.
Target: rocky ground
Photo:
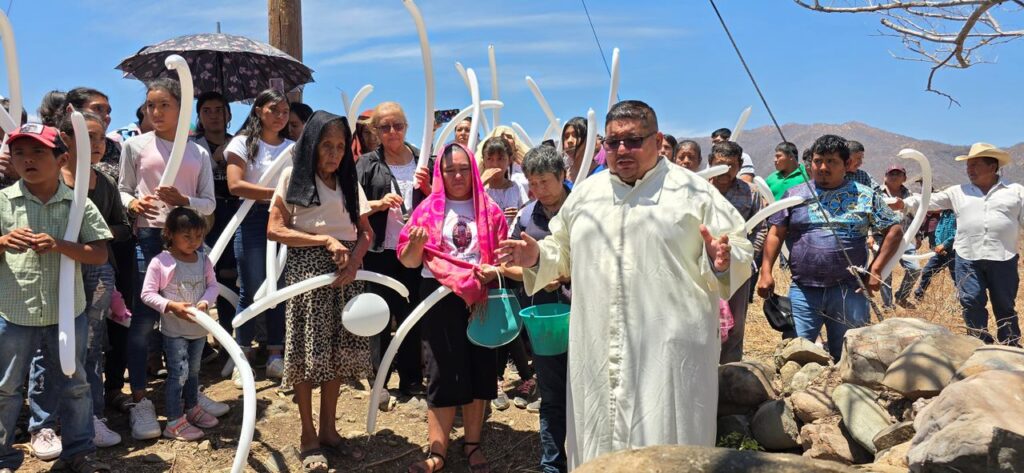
[{"x": 895, "y": 401}]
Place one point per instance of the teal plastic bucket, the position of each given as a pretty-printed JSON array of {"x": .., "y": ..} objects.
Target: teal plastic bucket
[
  {"x": 548, "y": 326},
  {"x": 500, "y": 323}
]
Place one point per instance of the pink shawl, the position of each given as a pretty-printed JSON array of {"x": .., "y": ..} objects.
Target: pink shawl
[{"x": 491, "y": 228}]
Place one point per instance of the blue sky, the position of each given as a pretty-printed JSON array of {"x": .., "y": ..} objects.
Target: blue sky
[{"x": 813, "y": 67}]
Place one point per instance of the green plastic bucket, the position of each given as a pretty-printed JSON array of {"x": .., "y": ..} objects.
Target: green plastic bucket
[{"x": 548, "y": 326}]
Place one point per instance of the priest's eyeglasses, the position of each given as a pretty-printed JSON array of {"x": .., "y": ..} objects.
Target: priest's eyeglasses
[{"x": 612, "y": 145}]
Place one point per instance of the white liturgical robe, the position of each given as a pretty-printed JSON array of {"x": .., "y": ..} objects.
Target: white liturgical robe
[{"x": 643, "y": 332}]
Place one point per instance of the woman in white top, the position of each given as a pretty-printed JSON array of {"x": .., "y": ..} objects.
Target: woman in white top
[
  {"x": 319, "y": 211},
  {"x": 249, "y": 154}
]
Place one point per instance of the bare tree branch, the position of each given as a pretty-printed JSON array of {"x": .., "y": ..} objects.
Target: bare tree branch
[{"x": 948, "y": 34}]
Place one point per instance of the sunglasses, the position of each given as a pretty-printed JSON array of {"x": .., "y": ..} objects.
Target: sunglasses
[
  {"x": 397, "y": 127},
  {"x": 612, "y": 145}
]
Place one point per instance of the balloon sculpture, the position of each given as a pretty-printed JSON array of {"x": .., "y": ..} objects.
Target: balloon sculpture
[{"x": 66, "y": 276}]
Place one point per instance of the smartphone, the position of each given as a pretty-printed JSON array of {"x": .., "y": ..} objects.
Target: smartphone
[{"x": 444, "y": 116}]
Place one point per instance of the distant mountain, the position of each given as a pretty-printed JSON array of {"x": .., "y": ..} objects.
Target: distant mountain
[{"x": 881, "y": 149}]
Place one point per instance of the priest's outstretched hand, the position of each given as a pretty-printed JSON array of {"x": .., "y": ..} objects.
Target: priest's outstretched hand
[
  {"x": 523, "y": 253},
  {"x": 718, "y": 249}
]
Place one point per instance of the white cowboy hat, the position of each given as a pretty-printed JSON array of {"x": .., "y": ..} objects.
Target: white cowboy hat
[{"x": 985, "y": 150}]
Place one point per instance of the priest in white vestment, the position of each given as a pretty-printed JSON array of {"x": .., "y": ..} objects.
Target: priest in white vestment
[{"x": 650, "y": 248}]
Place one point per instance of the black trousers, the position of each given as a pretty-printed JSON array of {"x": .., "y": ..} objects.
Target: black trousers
[{"x": 408, "y": 361}]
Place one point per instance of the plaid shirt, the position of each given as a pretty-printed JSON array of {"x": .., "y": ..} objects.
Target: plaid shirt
[
  {"x": 30, "y": 280},
  {"x": 861, "y": 176},
  {"x": 748, "y": 202}
]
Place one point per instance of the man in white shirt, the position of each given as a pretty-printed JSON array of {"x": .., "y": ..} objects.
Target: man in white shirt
[{"x": 989, "y": 215}]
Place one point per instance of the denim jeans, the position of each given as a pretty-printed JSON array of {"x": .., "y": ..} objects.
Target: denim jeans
[
  {"x": 982, "y": 280},
  {"x": 226, "y": 209},
  {"x": 183, "y": 359},
  {"x": 251, "y": 254},
  {"x": 911, "y": 271},
  {"x": 935, "y": 266},
  {"x": 551, "y": 384},
  {"x": 838, "y": 307},
  {"x": 19, "y": 344},
  {"x": 45, "y": 373},
  {"x": 144, "y": 318}
]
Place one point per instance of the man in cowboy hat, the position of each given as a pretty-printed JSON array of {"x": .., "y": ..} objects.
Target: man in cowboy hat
[{"x": 989, "y": 215}]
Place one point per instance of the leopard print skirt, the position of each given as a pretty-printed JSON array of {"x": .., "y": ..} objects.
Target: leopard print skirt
[{"x": 317, "y": 347}]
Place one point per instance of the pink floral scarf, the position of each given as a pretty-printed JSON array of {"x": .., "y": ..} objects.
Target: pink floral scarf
[{"x": 491, "y": 227}]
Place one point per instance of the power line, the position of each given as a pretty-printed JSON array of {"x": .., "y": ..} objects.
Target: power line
[
  {"x": 9, "y": 4},
  {"x": 598, "y": 41},
  {"x": 813, "y": 191}
]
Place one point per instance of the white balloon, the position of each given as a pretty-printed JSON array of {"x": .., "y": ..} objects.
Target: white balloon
[
  {"x": 494, "y": 81},
  {"x": 772, "y": 208},
  {"x": 465, "y": 112},
  {"x": 66, "y": 272},
  {"x": 613, "y": 89},
  {"x": 389, "y": 354},
  {"x": 366, "y": 315},
  {"x": 713, "y": 171},
  {"x": 542, "y": 101},
  {"x": 428, "y": 77},
  {"x": 248, "y": 386},
  {"x": 909, "y": 233},
  {"x": 588, "y": 152},
  {"x": 13, "y": 118},
  {"x": 737, "y": 130},
  {"x": 474, "y": 123},
  {"x": 920, "y": 257},
  {"x": 762, "y": 187},
  {"x": 352, "y": 110},
  {"x": 523, "y": 136},
  {"x": 179, "y": 65}
]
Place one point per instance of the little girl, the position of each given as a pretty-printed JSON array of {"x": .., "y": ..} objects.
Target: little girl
[
  {"x": 179, "y": 278},
  {"x": 497, "y": 160}
]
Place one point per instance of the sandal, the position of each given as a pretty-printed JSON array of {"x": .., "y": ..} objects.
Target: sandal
[
  {"x": 87, "y": 464},
  {"x": 425, "y": 467},
  {"x": 313, "y": 460},
  {"x": 340, "y": 448},
  {"x": 481, "y": 467}
]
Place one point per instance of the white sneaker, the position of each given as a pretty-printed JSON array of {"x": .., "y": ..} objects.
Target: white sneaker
[
  {"x": 275, "y": 369},
  {"x": 236, "y": 378},
  {"x": 227, "y": 369},
  {"x": 142, "y": 418},
  {"x": 103, "y": 437},
  {"x": 46, "y": 445},
  {"x": 212, "y": 407}
]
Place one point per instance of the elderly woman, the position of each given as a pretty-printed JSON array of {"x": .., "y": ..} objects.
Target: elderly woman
[
  {"x": 394, "y": 186},
  {"x": 454, "y": 235},
  {"x": 546, "y": 171},
  {"x": 319, "y": 211}
]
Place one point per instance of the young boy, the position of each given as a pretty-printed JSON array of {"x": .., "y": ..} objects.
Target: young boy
[{"x": 33, "y": 217}]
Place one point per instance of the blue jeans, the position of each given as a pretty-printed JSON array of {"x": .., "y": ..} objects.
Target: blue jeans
[
  {"x": 144, "y": 317},
  {"x": 838, "y": 307},
  {"x": 1000, "y": 280},
  {"x": 43, "y": 393},
  {"x": 935, "y": 265},
  {"x": 912, "y": 271},
  {"x": 251, "y": 254},
  {"x": 183, "y": 359},
  {"x": 20, "y": 343},
  {"x": 551, "y": 384}
]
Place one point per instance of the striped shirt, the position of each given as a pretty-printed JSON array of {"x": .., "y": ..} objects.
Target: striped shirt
[{"x": 30, "y": 280}]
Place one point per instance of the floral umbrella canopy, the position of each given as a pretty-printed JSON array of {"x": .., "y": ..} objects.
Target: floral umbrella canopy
[{"x": 236, "y": 66}]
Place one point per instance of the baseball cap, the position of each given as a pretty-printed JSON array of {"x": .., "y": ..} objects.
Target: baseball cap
[
  {"x": 896, "y": 167},
  {"x": 47, "y": 135}
]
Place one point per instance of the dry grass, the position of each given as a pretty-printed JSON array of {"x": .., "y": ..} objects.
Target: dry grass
[{"x": 939, "y": 306}]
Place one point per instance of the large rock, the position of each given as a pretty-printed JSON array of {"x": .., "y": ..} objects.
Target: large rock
[
  {"x": 812, "y": 404},
  {"x": 733, "y": 424},
  {"x": 693, "y": 459},
  {"x": 894, "y": 456},
  {"x": 894, "y": 435},
  {"x": 744, "y": 384},
  {"x": 868, "y": 351},
  {"x": 803, "y": 378},
  {"x": 881, "y": 468},
  {"x": 928, "y": 365},
  {"x": 803, "y": 351},
  {"x": 959, "y": 430},
  {"x": 775, "y": 427},
  {"x": 991, "y": 357},
  {"x": 861, "y": 414},
  {"x": 787, "y": 371},
  {"x": 830, "y": 442}
]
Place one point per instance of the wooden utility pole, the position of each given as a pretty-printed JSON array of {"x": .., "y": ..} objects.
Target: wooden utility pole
[{"x": 284, "y": 19}]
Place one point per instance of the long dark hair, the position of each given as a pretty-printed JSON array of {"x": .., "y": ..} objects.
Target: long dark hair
[
  {"x": 252, "y": 128},
  {"x": 302, "y": 187},
  {"x": 580, "y": 125},
  {"x": 77, "y": 98},
  {"x": 206, "y": 97}
]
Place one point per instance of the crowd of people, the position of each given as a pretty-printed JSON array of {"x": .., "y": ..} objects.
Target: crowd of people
[{"x": 651, "y": 258}]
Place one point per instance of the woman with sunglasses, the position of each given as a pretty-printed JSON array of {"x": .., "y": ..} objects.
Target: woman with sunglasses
[{"x": 393, "y": 186}]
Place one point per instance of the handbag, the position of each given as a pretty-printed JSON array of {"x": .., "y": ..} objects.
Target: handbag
[
  {"x": 779, "y": 312},
  {"x": 498, "y": 323}
]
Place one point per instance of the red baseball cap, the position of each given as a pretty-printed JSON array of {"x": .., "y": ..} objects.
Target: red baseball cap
[
  {"x": 896, "y": 167},
  {"x": 47, "y": 135}
]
